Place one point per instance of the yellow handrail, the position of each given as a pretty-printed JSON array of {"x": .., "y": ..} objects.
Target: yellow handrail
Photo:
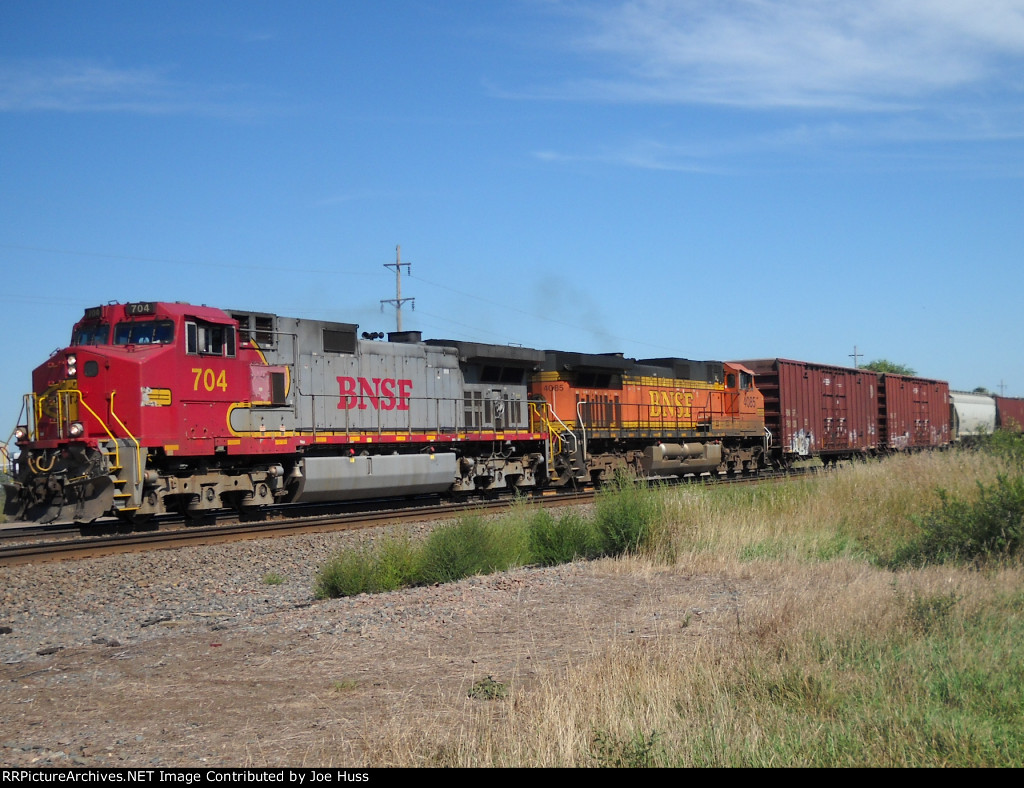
[
  {"x": 138, "y": 446},
  {"x": 95, "y": 415},
  {"x": 556, "y": 442}
]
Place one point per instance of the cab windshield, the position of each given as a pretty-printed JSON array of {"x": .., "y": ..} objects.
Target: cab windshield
[
  {"x": 144, "y": 332},
  {"x": 96, "y": 334}
]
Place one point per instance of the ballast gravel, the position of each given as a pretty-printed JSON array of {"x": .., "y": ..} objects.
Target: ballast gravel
[{"x": 125, "y": 599}]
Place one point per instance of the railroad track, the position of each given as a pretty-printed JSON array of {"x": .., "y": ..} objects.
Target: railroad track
[
  {"x": 38, "y": 544},
  {"x": 60, "y": 543}
]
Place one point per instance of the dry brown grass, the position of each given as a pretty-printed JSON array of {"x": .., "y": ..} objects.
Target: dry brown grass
[
  {"x": 766, "y": 678},
  {"x": 695, "y": 696}
]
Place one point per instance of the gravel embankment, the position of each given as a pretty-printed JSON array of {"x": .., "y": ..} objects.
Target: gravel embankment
[
  {"x": 189, "y": 656},
  {"x": 125, "y": 599}
]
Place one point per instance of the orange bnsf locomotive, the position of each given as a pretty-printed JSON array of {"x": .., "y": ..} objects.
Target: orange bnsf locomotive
[
  {"x": 655, "y": 417},
  {"x": 167, "y": 407}
]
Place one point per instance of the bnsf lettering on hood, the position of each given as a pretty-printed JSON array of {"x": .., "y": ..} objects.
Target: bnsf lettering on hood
[{"x": 380, "y": 393}]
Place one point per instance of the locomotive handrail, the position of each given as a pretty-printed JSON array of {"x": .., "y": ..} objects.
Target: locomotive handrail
[
  {"x": 579, "y": 420},
  {"x": 556, "y": 437},
  {"x": 103, "y": 424},
  {"x": 8, "y": 465},
  {"x": 566, "y": 430},
  {"x": 567, "y": 433},
  {"x": 138, "y": 446},
  {"x": 30, "y": 421}
]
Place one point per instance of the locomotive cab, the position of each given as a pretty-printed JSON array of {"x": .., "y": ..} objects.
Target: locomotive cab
[{"x": 119, "y": 391}]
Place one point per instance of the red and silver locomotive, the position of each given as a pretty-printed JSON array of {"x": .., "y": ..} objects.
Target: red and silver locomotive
[{"x": 161, "y": 407}]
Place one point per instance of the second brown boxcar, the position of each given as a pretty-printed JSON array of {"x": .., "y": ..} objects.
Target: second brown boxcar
[
  {"x": 817, "y": 410},
  {"x": 913, "y": 413},
  {"x": 1010, "y": 413}
]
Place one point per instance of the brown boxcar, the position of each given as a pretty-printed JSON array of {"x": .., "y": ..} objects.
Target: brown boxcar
[
  {"x": 817, "y": 409},
  {"x": 913, "y": 413},
  {"x": 1010, "y": 413}
]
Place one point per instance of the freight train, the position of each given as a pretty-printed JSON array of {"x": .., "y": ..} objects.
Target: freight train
[{"x": 159, "y": 407}]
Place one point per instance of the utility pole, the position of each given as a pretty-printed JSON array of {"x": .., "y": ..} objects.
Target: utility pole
[
  {"x": 398, "y": 300},
  {"x": 855, "y": 355}
]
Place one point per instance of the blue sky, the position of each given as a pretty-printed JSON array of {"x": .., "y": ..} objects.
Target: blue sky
[{"x": 707, "y": 179}]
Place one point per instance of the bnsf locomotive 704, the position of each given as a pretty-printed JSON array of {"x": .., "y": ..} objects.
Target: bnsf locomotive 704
[{"x": 158, "y": 407}]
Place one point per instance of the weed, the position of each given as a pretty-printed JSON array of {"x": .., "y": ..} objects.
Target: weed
[
  {"x": 1004, "y": 444},
  {"x": 928, "y": 612},
  {"x": 638, "y": 751},
  {"x": 488, "y": 689},
  {"x": 393, "y": 563},
  {"x": 560, "y": 541},
  {"x": 624, "y": 514},
  {"x": 456, "y": 551}
]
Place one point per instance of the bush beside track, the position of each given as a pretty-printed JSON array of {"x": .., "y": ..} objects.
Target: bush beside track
[{"x": 624, "y": 521}]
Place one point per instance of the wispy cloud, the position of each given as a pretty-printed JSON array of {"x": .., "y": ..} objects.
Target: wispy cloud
[
  {"x": 86, "y": 86},
  {"x": 798, "y": 78},
  {"x": 862, "y": 55}
]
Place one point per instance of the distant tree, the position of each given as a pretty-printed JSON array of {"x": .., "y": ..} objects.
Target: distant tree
[
  {"x": 983, "y": 391},
  {"x": 884, "y": 365}
]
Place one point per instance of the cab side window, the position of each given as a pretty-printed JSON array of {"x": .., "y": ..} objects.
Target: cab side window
[{"x": 209, "y": 339}]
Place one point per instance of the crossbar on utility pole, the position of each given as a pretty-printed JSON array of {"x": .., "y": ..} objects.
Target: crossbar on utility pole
[
  {"x": 398, "y": 300},
  {"x": 855, "y": 355}
]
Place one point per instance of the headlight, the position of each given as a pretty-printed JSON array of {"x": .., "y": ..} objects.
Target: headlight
[
  {"x": 21, "y": 433},
  {"x": 77, "y": 429},
  {"x": 72, "y": 365}
]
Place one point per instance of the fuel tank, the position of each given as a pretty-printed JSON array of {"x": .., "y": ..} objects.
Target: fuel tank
[{"x": 680, "y": 459}]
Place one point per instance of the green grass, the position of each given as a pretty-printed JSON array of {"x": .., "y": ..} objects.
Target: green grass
[
  {"x": 625, "y": 517},
  {"x": 931, "y": 681},
  {"x": 554, "y": 541},
  {"x": 392, "y": 563},
  {"x": 945, "y": 689}
]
